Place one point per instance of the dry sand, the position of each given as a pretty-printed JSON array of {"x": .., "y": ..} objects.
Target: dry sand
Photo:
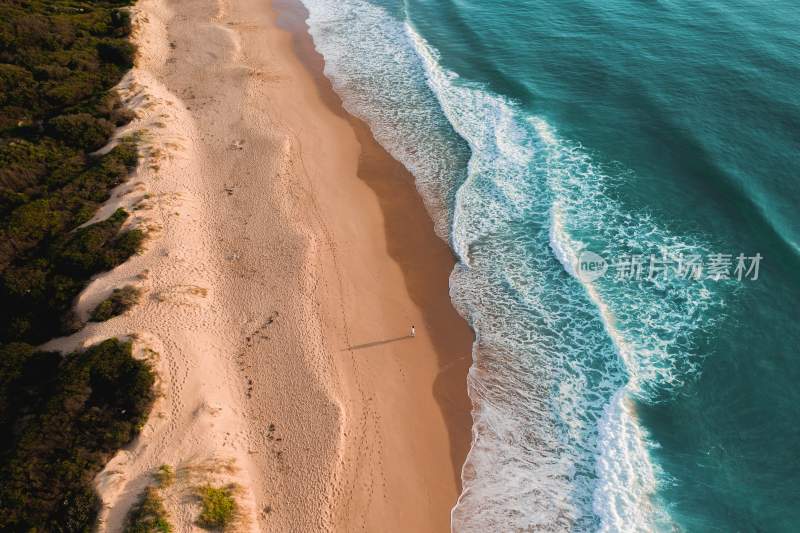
[{"x": 288, "y": 257}]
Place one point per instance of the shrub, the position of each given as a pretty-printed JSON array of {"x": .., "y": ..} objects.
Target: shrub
[
  {"x": 122, "y": 115},
  {"x": 148, "y": 515},
  {"x": 61, "y": 419},
  {"x": 68, "y": 92},
  {"x": 38, "y": 291},
  {"x": 165, "y": 476},
  {"x": 70, "y": 323},
  {"x": 17, "y": 85},
  {"x": 81, "y": 130},
  {"x": 50, "y": 72},
  {"x": 218, "y": 507},
  {"x": 121, "y": 21},
  {"x": 120, "y": 301},
  {"x": 111, "y": 108},
  {"x": 126, "y": 153},
  {"x": 95, "y": 248},
  {"x": 32, "y": 222},
  {"x": 125, "y": 245},
  {"x": 26, "y": 281},
  {"x": 118, "y": 52}
]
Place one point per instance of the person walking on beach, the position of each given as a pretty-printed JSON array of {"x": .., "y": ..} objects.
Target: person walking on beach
[{"x": 413, "y": 331}]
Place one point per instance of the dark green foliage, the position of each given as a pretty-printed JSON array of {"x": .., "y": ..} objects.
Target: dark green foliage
[
  {"x": 93, "y": 248},
  {"x": 39, "y": 287},
  {"x": 17, "y": 86},
  {"x": 120, "y": 301},
  {"x": 81, "y": 130},
  {"x": 58, "y": 60},
  {"x": 118, "y": 52},
  {"x": 57, "y": 54},
  {"x": 54, "y": 103},
  {"x": 61, "y": 418},
  {"x": 121, "y": 22},
  {"x": 149, "y": 515}
]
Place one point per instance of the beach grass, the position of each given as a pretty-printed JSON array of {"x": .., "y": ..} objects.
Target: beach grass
[
  {"x": 165, "y": 476},
  {"x": 148, "y": 515},
  {"x": 116, "y": 304},
  {"x": 219, "y": 509}
]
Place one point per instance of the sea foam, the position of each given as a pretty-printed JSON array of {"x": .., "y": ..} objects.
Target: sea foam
[{"x": 558, "y": 363}]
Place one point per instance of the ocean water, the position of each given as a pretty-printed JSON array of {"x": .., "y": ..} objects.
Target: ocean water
[{"x": 658, "y": 135}]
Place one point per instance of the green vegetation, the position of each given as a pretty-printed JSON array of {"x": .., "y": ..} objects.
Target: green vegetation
[
  {"x": 58, "y": 61},
  {"x": 149, "y": 515},
  {"x": 61, "y": 419},
  {"x": 38, "y": 287},
  {"x": 165, "y": 476},
  {"x": 218, "y": 507},
  {"x": 120, "y": 301}
]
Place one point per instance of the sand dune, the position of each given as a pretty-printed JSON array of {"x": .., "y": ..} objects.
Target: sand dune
[{"x": 287, "y": 257}]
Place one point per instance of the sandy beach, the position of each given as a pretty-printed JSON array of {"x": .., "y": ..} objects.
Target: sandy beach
[{"x": 288, "y": 257}]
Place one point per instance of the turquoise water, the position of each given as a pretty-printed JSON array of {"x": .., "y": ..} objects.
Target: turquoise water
[{"x": 538, "y": 131}]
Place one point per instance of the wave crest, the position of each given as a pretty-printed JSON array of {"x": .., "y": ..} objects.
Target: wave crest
[{"x": 558, "y": 363}]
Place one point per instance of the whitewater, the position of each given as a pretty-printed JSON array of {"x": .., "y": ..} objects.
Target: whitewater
[{"x": 558, "y": 362}]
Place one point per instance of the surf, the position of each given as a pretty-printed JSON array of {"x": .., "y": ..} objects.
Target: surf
[{"x": 558, "y": 364}]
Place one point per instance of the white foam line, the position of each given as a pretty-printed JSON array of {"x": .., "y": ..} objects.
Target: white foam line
[
  {"x": 622, "y": 499},
  {"x": 491, "y": 127}
]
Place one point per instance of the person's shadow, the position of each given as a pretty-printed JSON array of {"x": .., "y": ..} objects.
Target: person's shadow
[{"x": 377, "y": 343}]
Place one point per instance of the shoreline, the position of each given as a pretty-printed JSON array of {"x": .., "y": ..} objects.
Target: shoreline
[
  {"x": 426, "y": 263},
  {"x": 292, "y": 15},
  {"x": 289, "y": 255}
]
